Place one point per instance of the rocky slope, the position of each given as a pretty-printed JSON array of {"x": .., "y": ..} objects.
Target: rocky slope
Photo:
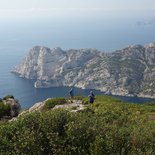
[
  {"x": 130, "y": 71},
  {"x": 14, "y": 109},
  {"x": 73, "y": 106}
]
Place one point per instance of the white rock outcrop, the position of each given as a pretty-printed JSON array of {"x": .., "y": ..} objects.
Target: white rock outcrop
[{"x": 128, "y": 72}]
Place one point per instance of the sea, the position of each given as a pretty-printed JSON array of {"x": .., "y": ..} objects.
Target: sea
[{"x": 106, "y": 35}]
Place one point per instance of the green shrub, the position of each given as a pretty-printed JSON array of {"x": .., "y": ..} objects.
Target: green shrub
[
  {"x": 8, "y": 96},
  {"x": 35, "y": 133},
  {"x": 53, "y": 102},
  {"x": 106, "y": 127},
  {"x": 4, "y": 109},
  {"x": 85, "y": 101}
]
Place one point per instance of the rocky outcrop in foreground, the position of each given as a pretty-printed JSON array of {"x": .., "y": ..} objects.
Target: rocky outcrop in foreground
[
  {"x": 72, "y": 105},
  {"x": 10, "y": 107},
  {"x": 127, "y": 72}
]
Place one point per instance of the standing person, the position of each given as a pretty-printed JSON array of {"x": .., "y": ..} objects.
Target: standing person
[
  {"x": 71, "y": 92},
  {"x": 91, "y": 97}
]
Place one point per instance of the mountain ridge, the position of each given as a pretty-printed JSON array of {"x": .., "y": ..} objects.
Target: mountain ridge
[{"x": 127, "y": 72}]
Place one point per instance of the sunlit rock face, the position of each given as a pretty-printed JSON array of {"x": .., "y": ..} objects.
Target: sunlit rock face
[{"x": 129, "y": 71}]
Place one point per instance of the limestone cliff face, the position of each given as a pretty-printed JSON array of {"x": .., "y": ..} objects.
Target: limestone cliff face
[{"x": 130, "y": 71}]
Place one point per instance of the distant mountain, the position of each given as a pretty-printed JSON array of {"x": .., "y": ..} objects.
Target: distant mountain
[{"x": 127, "y": 72}]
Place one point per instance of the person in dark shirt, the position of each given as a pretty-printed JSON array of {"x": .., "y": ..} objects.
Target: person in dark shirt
[{"x": 91, "y": 97}]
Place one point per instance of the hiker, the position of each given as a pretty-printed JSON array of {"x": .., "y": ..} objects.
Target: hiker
[
  {"x": 91, "y": 97},
  {"x": 71, "y": 92}
]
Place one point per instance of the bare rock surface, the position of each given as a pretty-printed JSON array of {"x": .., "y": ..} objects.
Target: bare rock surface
[
  {"x": 127, "y": 72},
  {"x": 71, "y": 105},
  {"x": 74, "y": 106}
]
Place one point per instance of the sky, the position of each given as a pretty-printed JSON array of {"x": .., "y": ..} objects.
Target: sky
[
  {"x": 18, "y": 9},
  {"x": 103, "y": 24}
]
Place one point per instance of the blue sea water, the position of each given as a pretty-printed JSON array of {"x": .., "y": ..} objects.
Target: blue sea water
[{"x": 18, "y": 38}]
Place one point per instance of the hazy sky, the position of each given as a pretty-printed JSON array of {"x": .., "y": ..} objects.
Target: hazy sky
[
  {"x": 70, "y": 8},
  {"x": 104, "y": 24}
]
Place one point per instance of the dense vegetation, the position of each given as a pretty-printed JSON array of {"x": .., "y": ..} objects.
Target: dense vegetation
[
  {"x": 106, "y": 127},
  {"x": 51, "y": 103},
  {"x": 5, "y": 109}
]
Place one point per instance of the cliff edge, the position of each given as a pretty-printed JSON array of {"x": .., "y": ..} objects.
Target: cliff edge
[{"x": 129, "y": 71}]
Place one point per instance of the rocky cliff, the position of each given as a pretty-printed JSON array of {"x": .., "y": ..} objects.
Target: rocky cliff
[{"x": 130, "y": 71}]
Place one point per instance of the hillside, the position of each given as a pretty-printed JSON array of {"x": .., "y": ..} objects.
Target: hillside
[
  {"x": 108, "y": 126},
  {"x": 126, "y": 72}
]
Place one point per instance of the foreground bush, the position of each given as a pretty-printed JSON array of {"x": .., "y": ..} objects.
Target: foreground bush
[
  {"x": 53, "y": 102},
  {"x": 5, "y": 109},
  {"x": 109, "y": 127}
]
